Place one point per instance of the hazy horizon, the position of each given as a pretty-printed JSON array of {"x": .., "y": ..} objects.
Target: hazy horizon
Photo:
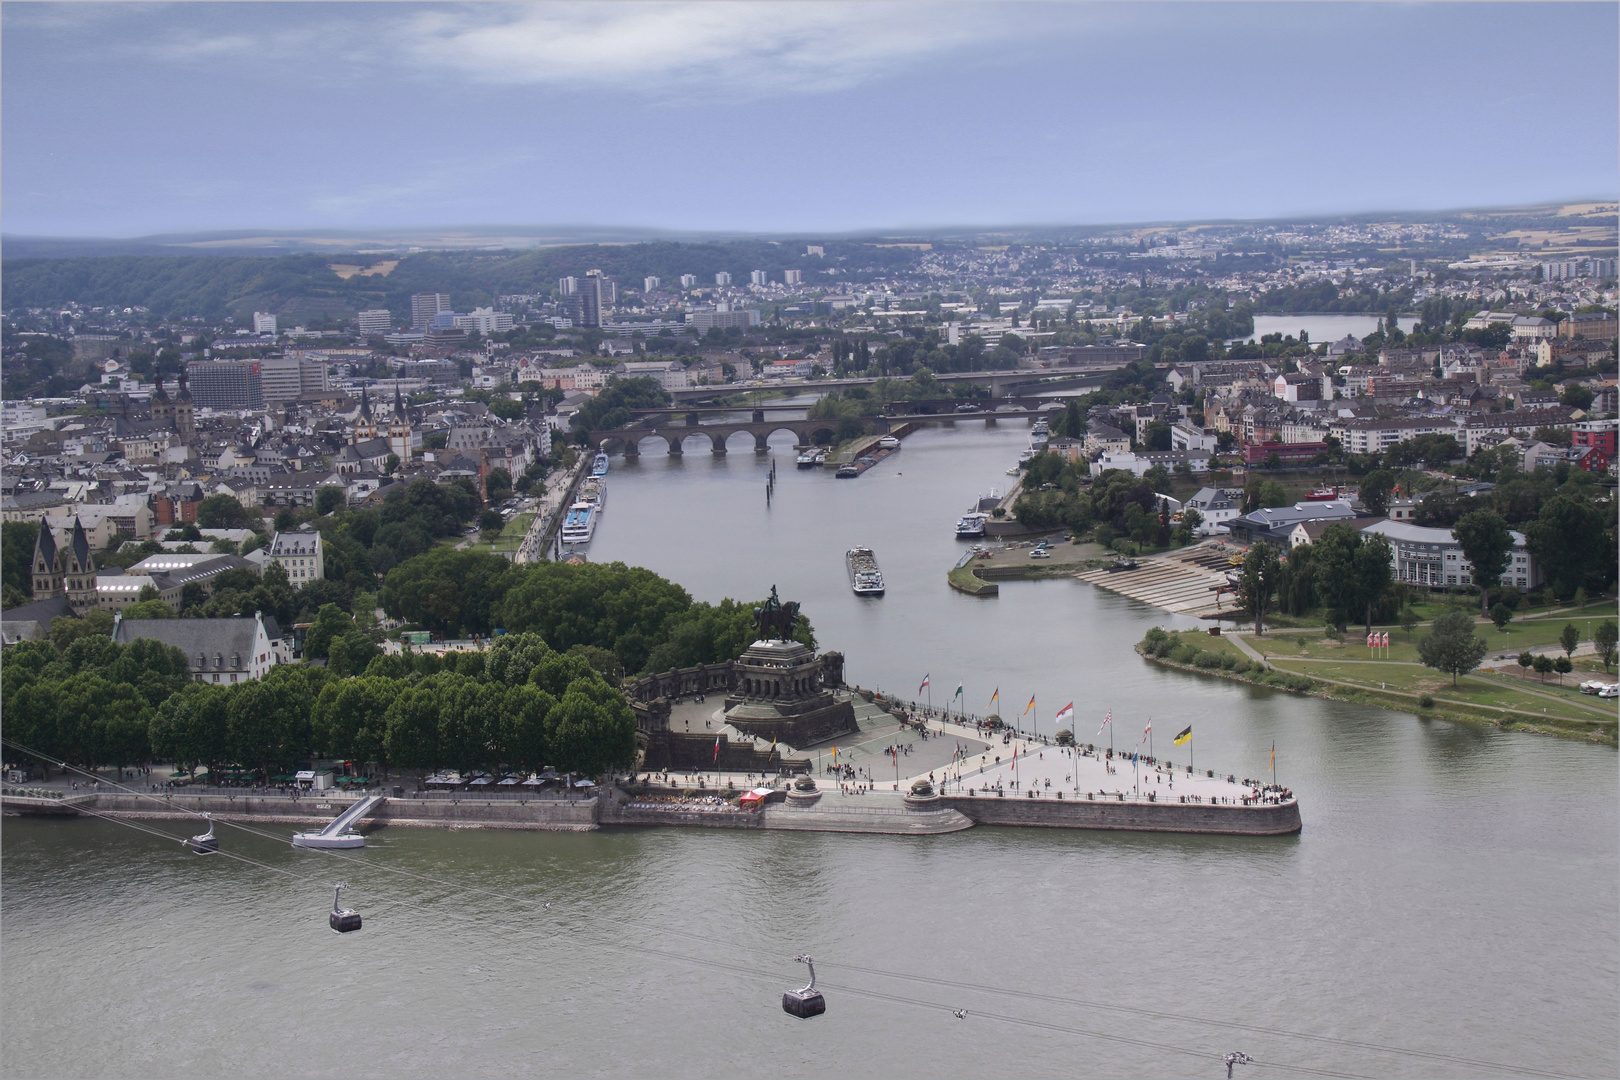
[{"x": 128, "y": 121}]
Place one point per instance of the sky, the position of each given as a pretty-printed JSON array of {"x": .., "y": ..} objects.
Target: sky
[{"x": 132, "y": 119}]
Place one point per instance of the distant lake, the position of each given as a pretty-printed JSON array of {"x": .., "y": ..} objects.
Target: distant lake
[{"x": 1322, "y": 327}]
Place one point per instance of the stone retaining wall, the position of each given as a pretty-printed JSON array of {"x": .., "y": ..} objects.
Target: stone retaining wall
[{"x": 1129, "y": 816}]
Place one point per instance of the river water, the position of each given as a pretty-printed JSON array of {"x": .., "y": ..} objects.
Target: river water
[
  {"x": 1323, "y": 328},
  {"x": 1450, "y": 909}
]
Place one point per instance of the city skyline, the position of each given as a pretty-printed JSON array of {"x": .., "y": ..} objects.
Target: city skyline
[{"x": 788, "y": 118}]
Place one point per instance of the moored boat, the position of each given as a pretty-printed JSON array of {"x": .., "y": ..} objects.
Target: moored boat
[
  {"x": 971, "y": 526},
  {"x": 580, "y": 524},
  {"x": 599, "y": 465}
]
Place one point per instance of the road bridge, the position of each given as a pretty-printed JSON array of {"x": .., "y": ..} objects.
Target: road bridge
[
  {"x": 999, "y": 382},
  {"x": 695, "y": 414}
]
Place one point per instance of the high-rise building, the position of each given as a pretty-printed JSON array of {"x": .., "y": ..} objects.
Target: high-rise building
[
  {"x": 815, "y": 249},
  {"x": 722, "y": 278},
  {"x": 688, "y": 281},
  {"x": 264, "y": 323},
  {"x": 226, "y": 384},
  {"x": 567, "y": 286},
  {"x": 596, "y": 295},
  {"x": 375, "y": 321},
  {"x": 758, "y": 277},
  {"x": 793, "y": 277},
  {"x": 285, "y": 378},
  {"x": 426, "y": 305},
  {"x": 649, "y": 284},
  {"x": 485, "y": 321}
]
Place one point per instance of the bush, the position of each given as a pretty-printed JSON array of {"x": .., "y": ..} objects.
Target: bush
[
  {"x": 1154, "y": 636},
  {"x": 1207, "y": 660},
  {"x": 1425, "y": 701},
  {"x": 1184, "y": 654}
]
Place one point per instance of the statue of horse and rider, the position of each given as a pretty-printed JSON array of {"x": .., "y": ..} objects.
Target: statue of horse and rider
[{"x": 776, "y": 621}]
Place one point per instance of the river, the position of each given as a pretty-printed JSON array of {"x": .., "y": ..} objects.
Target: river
[
  {"x": 1323, "y": 328},
  {"x": 1450, "y": 909}
]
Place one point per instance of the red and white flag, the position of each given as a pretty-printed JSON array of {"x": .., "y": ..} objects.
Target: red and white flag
[
  {"x": 1385, "y": 641},
  {"x": 1147, "y": 731},
  {"x": 717, "y": 748},
  {"x": 1372, "y": 640},
  {"x": 1109, "y": 719},
  {"x": 1066, "y": 713}
]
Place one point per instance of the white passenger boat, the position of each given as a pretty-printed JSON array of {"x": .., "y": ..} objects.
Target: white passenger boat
[
  {"x": 971, "y": 526},
  {"x": 889, "y": 442},
  {"x": 594, "y": 490},
  {"x": 580, "y": 524},
  {"x": 807, "y": 459},
  {"x": 864, "y": 576},
  {"x": 599, "y": 465}
]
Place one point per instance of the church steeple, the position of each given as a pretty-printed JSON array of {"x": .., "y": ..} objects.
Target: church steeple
[
  {"x": 365, "y": 405},
  {"x": 399, "y": 405}
]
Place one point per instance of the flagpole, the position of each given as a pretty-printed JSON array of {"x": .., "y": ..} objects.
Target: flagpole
[{"x": 1150, "y": 738}]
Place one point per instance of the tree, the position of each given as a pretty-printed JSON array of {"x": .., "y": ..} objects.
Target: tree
[
  {"x": 1573, "y": 540},
  {"x": 1542, "y": 664},
  {"x": 1257, "y": 581},
  {"x": 1352, "y": 572},
  {"x": 1272, "y": 495},
  {"x": 149, "y": 609},
  {"x": 498, "y": 484},
  {"x": 1563, "y": 665},
  {"x": 1375, "y": 489},
  {"x": 1604, "y": 639},
  {"x": 490, "y": 522},
  {"x": 1409, "y": 619},
  {"x": 224, "y": 512},
  {"x": 1527, "y": 660},
  {"x": 1501, "y": 615},
  {"x": 329, "y": 498},
  {"x": 17, "y": 540},
  {"x": 1451, "y": 645},
  {"x": 1488, "y": 546},
  {"x": 330, "y": 621},
  {"x": 1569, "y": 637}
]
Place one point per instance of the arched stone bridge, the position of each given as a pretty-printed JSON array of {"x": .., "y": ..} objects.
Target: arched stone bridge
[{"x": 805, "y": 433}]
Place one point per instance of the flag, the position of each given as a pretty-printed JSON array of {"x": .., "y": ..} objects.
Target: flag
[
  {"x": 772, "y": 749},
  {"x": 1372, "y": 640},
  {"x": 835, "y": 753},
  {"x": 1273, "y": 756},
  {"x": 717, "y": 748},
  {"x": 924, "y": 685},
  {"x": 958, "y": 691},
  {"x": 995, "y": 697},
  {"x": 1066, "y": 713},
  {"x": 1028, "y": 707},
  {"x": 1147, "y": 731},
  {"x": 1386, "y": 639},
  {"x": 1109, "y": 719},
  {"x": 1185, "y": 737}
]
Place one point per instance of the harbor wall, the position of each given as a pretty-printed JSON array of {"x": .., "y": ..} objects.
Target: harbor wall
[
  {"x": 560, "y": 815},
  {"x": 1278, "y": 820}
]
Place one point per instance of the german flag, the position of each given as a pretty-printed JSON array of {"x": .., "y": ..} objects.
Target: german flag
[{"x": 1184, "y": 737}]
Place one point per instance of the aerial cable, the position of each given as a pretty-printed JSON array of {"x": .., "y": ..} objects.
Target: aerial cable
[{"x": 539, "y": 907}]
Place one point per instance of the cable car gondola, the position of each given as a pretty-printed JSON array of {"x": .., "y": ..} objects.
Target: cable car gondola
[
  {"x": 807, "y": 1002},
  {"x": 344, "y": 920},
  {"x": 205, "y": 843}
]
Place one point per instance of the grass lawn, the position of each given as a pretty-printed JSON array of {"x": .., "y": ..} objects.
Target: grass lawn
[
  {"x": 1513, "y": 639},
  {"x": 511, "y": 535},
  {"x": 1494, "y": 691}
]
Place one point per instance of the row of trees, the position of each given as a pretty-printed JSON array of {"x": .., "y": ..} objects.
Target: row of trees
[
  {"x": 521, "y": 706},
  {"x": 630, "y": 618}
]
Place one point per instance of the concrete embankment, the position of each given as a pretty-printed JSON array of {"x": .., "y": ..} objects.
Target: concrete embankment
[
  {"x": 946, "y": 814},
  {"x": 1132, "y": 815}
]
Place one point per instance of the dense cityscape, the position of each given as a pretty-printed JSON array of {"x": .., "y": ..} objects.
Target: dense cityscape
[{"x": 529, "y": 533}]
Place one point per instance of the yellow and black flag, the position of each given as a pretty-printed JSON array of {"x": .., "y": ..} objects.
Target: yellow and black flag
[{"x": 1185, "y": 736}]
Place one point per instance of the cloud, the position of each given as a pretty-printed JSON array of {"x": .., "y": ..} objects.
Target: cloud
[{"x": 701, "y": 48}]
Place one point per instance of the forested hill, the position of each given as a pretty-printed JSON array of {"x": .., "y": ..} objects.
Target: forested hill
[{"x": 305, "y": 286}]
